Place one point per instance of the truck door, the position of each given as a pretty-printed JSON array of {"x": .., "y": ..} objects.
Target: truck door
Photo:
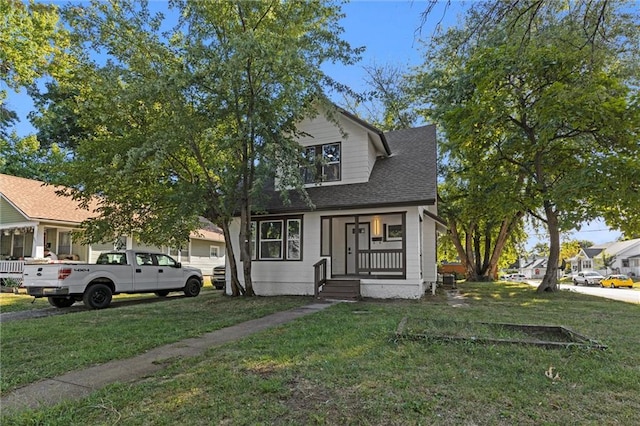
[
  {"x": 169, "y": 274},
  {"x": 145, "y": 273}
]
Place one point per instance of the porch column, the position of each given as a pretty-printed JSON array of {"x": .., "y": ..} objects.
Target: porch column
[
  {"x": 356, "y": 244},
  {"x": 37, "y": 248}
]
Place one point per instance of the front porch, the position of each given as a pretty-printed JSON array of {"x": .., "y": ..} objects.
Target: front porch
[
  {"x": 359, "y": 247},
  {"x": 365, "y": 246}
]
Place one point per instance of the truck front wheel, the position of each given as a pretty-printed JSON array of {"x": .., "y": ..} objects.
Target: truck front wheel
[
  {"x": 61, "y": 302},
  {"x": 97, "y": 296},
  {"x": 192, "y": 288}
]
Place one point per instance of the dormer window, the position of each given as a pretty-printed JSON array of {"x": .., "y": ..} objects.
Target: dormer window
[{"x": 321, "y": 163}]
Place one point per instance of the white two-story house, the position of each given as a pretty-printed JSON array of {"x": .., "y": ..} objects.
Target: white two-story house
[{"x": 374, "y": 218}]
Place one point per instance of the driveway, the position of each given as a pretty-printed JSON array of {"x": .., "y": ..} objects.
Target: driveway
[
  {"x": 622, "y": 294},
  {"x": 79, "y": 307}
]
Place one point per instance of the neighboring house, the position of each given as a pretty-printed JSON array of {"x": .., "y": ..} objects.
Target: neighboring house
[
  {"x": 374, "y": 219},
  {"x": 33, "y": 216},
  {"x": 625, "y": 258},
  {"x": 535, "y": 268}
]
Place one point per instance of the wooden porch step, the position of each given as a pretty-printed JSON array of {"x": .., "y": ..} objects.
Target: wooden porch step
[{"x": 341, "y": 289}]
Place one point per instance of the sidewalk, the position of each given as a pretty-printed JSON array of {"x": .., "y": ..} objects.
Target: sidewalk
[{"x": 80, "y": 383}]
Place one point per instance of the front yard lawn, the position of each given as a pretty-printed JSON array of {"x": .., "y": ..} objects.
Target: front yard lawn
[{"x": 345, "y": 365}]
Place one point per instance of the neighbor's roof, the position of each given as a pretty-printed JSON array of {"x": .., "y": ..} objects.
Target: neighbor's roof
[
  {"x": 592, "y": 252},
  {"x": 614, "y": 248},
  {"x": 407, "y": 177},
  {"x": 208, "y": 231},
  {"x": 37, "y": 200}
]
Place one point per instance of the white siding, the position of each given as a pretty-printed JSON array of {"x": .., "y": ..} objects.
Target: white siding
[
  {"x": 355, "y": 153},
  {"x": 199, "y": 256},
  {"x": 296, "y": 277}
]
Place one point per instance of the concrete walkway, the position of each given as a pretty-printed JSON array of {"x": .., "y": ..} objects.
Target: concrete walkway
[
  {"x": 80, "y": 383},
  {"x": 456, "y": 299}
]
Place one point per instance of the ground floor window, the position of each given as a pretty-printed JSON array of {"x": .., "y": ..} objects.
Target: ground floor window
[
  {"x": 182, "y": 253},
  {"x": 276, "y": 238},
  {"x": 64, "y": 243}
]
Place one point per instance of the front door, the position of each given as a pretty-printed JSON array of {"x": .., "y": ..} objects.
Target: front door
[{"x": 363, "y": 244}]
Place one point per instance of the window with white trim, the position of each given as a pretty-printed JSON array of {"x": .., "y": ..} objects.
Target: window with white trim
[
  {"x": 64, "y": 243},
  {"x": 213, "y": 252},
  {"x": 183, "y": 253}
]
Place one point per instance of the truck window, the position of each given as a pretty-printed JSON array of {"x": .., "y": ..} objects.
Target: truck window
[
  {"x": 144, "y": 259},
  {"x": 112, "y": 259},
  {"x": 164, "y": 260}
]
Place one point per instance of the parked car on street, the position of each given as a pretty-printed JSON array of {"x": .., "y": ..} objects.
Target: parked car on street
[
  {"x": 587, "y": 278},
  {"x": 515, "y": 277},
  {"x": 617, "y": 280},
  {"x": 219, "y": 277}
]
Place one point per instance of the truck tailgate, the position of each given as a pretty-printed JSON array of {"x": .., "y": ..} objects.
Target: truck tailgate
[{"x": 43, "y": 275}]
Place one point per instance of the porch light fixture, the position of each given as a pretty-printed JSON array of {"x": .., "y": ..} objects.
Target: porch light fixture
[
  {"x": 377, "y": 226},
  {"x": 7, "y": 232}
]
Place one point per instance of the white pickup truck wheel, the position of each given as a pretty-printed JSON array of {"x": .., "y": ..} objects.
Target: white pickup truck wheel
[
  {"x": 97, "y": 296},
  {"x": 192, "y": 288}
]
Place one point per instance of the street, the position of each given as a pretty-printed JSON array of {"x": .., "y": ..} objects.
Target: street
[{"x": 622, "y": 294}]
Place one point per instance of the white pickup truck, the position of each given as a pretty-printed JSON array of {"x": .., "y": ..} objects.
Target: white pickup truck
[{"x": 129, "y": 271}]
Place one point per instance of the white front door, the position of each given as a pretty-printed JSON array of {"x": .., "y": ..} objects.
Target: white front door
[{"x": 363, "y": 244}]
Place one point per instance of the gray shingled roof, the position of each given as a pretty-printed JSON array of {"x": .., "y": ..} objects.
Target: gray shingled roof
[
  {"x": 592, "y": 252},
  {"x": 407, "y": 177}
]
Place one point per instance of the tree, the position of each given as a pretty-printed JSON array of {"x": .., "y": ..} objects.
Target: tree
[
  {"x": 24, "y": 157},
  {"x": 388, "y": 103},
  {"x": 479, "y": 230},
  {"x": 190, "y": 122},
  {"x": 547, "y": 92},
  {"x": 33, "y": 45}
]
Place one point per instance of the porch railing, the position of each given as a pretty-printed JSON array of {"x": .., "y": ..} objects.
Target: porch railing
[
  {"x": 381, "y": 261},
  {"x": 11, "y": 269},
  {"x": 319, "y": 276}
]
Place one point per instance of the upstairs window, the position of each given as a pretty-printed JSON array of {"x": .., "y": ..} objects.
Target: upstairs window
[{"x": 321, "y": 163}]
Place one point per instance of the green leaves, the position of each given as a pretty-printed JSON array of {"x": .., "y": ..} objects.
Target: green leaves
[{"x": 533, "y": 106}]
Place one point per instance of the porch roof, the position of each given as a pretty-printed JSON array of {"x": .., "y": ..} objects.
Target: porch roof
[
  {"x": 406, "y": 177},
  {"x": 38, "y": 201}
]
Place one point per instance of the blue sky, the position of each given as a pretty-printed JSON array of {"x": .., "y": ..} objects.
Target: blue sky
[{"x": 390, "y": 32}]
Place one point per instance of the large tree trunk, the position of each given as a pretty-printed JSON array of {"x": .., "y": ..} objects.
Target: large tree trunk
[
  {"x": 245, "y": 247},
  {"x": 467, "y": 263},
  {"x": 236, "y": 287},
  {"x": 505, "y": 230},
  {"x": 550, "y": 280}
]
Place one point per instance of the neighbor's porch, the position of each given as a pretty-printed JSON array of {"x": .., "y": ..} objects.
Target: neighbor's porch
[{"x": 20, "y": 242}]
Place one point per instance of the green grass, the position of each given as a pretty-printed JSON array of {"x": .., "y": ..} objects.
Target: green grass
[
  {"x": 344, "y": 366},
  {"x": 47, "y": 347}
]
